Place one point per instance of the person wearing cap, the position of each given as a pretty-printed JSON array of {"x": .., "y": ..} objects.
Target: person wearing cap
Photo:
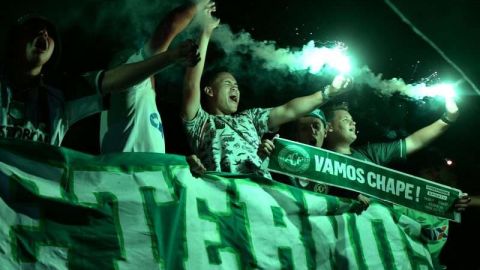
[
  {"x": 133, "y": 123},
  {"x": 39, "y": 104},
  {"x": 310, "y": 129}
]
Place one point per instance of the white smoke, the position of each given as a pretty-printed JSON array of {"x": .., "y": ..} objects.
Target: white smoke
[
  {"x": 310, "y": 57},
  {"x": 364, "y": 76},
  {"x": 316, "y": 60}
]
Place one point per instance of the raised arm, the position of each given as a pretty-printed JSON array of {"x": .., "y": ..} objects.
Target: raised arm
[
  {"x": 426, "y": 135},
  {"x": 174, "y": 23},
  {"x": 127, "y": 75},
  {"x": 299, "y": 107},
  {"x": 193, "y": 75}
]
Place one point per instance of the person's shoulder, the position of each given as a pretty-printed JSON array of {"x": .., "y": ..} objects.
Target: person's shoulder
[
  {"x": 201, "y": 115},
  {"x": 249, "y": 112},
  {"x": 242, "y": 113},
  {"x": 377, "y": 145}
]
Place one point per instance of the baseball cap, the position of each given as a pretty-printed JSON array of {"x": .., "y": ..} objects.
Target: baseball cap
[{"x": 317, "y": 113}]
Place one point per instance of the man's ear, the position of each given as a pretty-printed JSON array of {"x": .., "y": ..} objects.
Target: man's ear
[
  {"x": 329, "y": 127},
  {"x": 208, "y": 91}
]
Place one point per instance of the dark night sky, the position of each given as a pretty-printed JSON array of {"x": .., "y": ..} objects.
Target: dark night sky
[{"x": 94, "y": 30}]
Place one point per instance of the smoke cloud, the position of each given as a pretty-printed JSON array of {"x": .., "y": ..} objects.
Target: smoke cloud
[{"x": 296, "y": 66}]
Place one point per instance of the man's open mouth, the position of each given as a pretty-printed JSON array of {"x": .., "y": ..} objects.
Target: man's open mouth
[
  {"x": 234, "y": 98},
  {"x": 41, "y": 44}
]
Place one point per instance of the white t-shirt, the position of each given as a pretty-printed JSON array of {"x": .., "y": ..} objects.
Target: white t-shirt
[
  {"x": 44, "y": 113},
  {"x": 132, "y": 123}
]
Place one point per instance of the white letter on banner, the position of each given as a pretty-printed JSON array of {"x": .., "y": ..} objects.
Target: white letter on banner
[
  {"x": 409, "y": 191},
  {"x": 360, "y": 173},
  {"x": 391, "y": 186},
  {"x": 328, "y": 167},
  {"x": 340, "y": 169},
  {"x": 46, "y": 256},
  {"x": 351, "y": 173},
  {"x": 137, "y": 246},
  {"x": 267, "y": 237},
  {"x": 370, "y": 179},
  {"x": 400, "y": 187},
  {"x": 318, "y": 163},
  {"x": 203, "y": 230}
]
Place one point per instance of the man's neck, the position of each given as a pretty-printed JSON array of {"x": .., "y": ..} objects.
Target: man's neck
[
  {"x": 34, "y": 72},
  {"x": 342, "y": 149},
  {"x": 26, "y": 77},
  {"x": 215, "y": 111}
]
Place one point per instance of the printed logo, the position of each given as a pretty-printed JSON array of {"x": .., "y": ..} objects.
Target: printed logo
[
  {"x": 293, "y": 159},
  {"x": 321, "y": 188},
  {"x": 437, "y": 233},
  {"x": 28, "y": 133},
  {"x": 155, "y": 122}
]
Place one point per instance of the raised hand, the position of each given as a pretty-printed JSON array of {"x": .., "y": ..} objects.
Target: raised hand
[
  {"x": 187, "y": 52},
  {"x": 451, "y": 109},
  {"x": 339, "y": 85},
  {"x": 363, "y": 199},
  {"x": 266, "y": 147},
  {"x": 209, "y": 22},
  {"x": 462, "y": 203}
]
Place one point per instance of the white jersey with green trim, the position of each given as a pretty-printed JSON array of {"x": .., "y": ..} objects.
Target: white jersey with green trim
[{"x": 133, "y": 123}]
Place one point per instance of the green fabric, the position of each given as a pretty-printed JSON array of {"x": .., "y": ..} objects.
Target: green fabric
[
  {"x": 434, "y": 231},
  {"x": 61, "y": 209},
  {"x": 381, "y": 153},
  {"x": 334, "y": 169}
]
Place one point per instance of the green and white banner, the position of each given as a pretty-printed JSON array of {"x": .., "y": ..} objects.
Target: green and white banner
[
  {"x": 61, "y": 209},
  {"x": 320, "y": 165}
]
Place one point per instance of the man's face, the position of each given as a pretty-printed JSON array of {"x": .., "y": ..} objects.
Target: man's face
[
  {"x": 39, "y": 45},
  {"x": 224, "y": 94},
  {"x": 342, "y": 128},
  {"x": 311, "y": 130}
]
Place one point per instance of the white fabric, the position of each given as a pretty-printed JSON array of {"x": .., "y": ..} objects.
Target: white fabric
[{"x": 132, "y": 123}]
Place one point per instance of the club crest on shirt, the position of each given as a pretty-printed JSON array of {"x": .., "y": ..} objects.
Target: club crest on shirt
[{"x": 155, "y": 122}]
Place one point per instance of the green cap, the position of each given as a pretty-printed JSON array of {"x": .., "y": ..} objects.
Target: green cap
[{"x": 317, "y": 113}]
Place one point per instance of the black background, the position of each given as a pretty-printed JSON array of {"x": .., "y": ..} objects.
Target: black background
[{"x": 94, "y": 32}]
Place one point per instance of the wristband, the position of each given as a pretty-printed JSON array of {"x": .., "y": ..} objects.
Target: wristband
[
  {"x": 325, "y": 95},
  {"x": 445, "y": 119}
]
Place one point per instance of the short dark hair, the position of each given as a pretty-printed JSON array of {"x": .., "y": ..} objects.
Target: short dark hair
[
  {"x": 209, "y": 76},
  {"x": 207, "y": 80},
  {"x": 330, "y": 110}
]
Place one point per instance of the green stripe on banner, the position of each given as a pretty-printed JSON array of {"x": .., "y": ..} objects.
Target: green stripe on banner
[
  {"x": 61, "y": 209},
  {"x": 384, "y": 248},
  {"x": 323, "y": 166},
  {"x": 356, "y": 242}
]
